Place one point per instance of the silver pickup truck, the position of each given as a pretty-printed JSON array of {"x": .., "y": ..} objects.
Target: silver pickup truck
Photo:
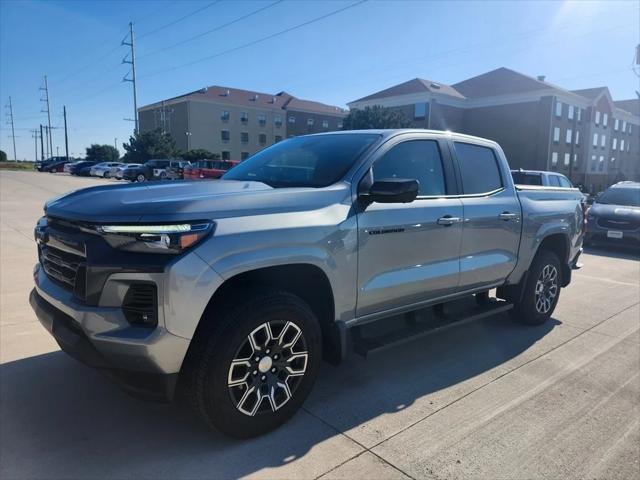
[{"x": 232, "y": 291}]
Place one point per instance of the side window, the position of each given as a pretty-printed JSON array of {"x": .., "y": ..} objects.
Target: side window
[
  {"x": 478, "y": 168},
  {"x": 564, "y": 182},
  {"x": 416, "y": 159},
  {"x": 554, "y": 181}
]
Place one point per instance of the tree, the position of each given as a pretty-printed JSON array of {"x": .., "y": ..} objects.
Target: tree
[
  {"x": 144, "y": 146},
  {"x": 3, "y": 156},
  {"x": 374, "y": 117},
  {"x": 102, "y": 153},
  {"x": 199, "y": 154}
]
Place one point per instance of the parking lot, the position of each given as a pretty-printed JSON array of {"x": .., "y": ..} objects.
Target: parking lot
[{"x": 487, "y": 400}]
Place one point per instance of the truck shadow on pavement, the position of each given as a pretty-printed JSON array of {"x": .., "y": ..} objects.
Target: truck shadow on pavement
[{"x": 60, "y": 419}]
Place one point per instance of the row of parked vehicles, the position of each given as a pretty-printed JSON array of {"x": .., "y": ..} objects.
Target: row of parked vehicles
[{"x": 156, "y": 169}]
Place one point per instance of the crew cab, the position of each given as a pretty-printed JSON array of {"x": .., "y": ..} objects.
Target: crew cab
[
  {"x": 238, "y": 288},
  {"x": 203, "y": 169}
]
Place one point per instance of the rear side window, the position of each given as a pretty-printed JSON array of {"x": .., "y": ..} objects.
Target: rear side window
[
  {"x": 554, "y": 181},
  {"x": 564, "y": 182},
  {"x": 417, "y": 160},
  {"x": 479, "y": 168},
  {"x": 522, "y": 178}
]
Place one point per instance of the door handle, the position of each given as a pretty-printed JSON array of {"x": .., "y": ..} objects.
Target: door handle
[
  {"x": 506, "y": 216},
  {"x": 447, "y": 220}
]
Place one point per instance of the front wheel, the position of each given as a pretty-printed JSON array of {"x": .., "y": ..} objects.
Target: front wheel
[
  {"x": 140, "y": 177},
  {"x": 253, "y": 367},
  {"x": 542, "y": 290},
  {"x": 106, "y": 175}
]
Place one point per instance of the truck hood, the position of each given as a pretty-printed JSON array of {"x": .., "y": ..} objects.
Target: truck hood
[
  {"x": 622, "y": 212},
  {"x": 184, "y": 200}
]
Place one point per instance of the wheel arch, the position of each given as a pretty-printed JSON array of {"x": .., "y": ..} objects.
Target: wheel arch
[{"x": 559, "y": 244}]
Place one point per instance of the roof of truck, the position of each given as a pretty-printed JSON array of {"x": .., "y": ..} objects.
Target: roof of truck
[{"x": 397, "y": 131}]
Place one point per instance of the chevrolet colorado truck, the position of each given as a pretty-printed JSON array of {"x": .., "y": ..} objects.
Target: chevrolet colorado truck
[{"x": 233, "y": 290}]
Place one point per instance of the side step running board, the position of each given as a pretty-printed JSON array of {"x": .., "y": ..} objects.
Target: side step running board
[{"x": 366, "y": 345}]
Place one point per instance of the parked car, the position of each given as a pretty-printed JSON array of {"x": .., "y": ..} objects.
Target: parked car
[
  {"x": 614, "y": 216},
  {"x": 54, "y": 167},
  {"x": 105, "y": 169},
  {"x": 82, "y": 168},
  {"x": 541, "y": 178},
  {"x": 41, "y": 165},
  {"x": 175, "y": 170},
  {"x": 236, "y": 289},
  {"x": 69, "y": 166},
  {"x": 150, "y": 170},
  {"x": 119, "y": 175},
  {"x": 209, "y": 169}
]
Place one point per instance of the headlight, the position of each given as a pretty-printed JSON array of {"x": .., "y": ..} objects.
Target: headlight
[{"x": 169, "y": 238}]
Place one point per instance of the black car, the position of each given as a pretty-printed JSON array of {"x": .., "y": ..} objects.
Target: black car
[
  {"x": 82, "y": 168},
  {"x": 150, "y": 170},
  {"x": 614, "y": 216},
  {"x": 42, "y": 165}
]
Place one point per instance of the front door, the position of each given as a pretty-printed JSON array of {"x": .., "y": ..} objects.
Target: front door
[{"x": 409, "y": 252}]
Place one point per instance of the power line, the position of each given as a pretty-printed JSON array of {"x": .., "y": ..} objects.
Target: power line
[
  {"x": 198, "y": 10},
  {"x": 259, "y": 40},
  {"x": 215, "y": 29}
]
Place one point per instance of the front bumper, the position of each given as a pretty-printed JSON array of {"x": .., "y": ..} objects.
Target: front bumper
[
  {"x": 598, "y": 234},
  {"x": 144, "y": 361}
]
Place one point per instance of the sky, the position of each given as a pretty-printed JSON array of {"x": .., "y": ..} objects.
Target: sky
[{"x": 330, "y": 51}]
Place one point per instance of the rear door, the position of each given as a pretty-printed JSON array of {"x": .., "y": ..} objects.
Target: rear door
[
  {"x": 492, "y": 217},
  {"x": 409, "y": 252}
]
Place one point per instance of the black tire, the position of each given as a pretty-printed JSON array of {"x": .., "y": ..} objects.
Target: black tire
[
  {"x": 107, "y": 175},
  {"x": 140, "y": 177},
  {"x": 225, "y": 336},
  {"x": 533, "y": 309}
]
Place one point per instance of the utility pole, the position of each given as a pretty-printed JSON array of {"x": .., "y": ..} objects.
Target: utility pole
[
  {"x": 41, "y": 144},
  {"x": 13, "y": 132},
  {"x": 115, "y": 143},
  {"x": 34, "y": 135},
  {"x": 132, "y": 62},
  {"x": 48, "y": 110},
  {"x": 46, "y": 143},
  {"x": 66, "y": 138}
]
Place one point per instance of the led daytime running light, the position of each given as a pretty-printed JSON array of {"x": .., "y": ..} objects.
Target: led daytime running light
[{"x": 158, "y": 229}]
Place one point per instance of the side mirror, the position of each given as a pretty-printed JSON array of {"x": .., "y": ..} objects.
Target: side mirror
[{"x": 393, "y": 190}]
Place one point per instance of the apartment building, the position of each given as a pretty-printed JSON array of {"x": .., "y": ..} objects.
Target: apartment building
[
  {"x": 583, "y": 134},
  {"x": 236, "y": 123}
]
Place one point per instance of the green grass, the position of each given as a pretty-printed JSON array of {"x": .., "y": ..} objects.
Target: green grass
[{"x": 16, "y": 165}]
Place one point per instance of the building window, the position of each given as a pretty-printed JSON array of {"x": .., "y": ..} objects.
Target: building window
[
  {"x": 575, "y": 159},
  {"x": 419, "y": 110},
  {"x": 244, "y": 117},
  {"x": 225, "y": 136},
  {"x": 567, "y": 159},
  {"x": 605, "y": 119},
  {"x": 292, "y": 119},
  {"x": 556, "y": 134},
  {"x": 601, "y": 163},
  {"x": 622, "y": 144},
  {"x": 597, "y": 117},
  {"x": 603, "y": 140},
  {"x": 613, "y": 159},
  {"x": 244, "y": 137},
  {"x": 244, "y": 155},
  {"x": 624, "y": 125},
  {"x": 339, "y": 125},
  {"x": 570, "y": 112},
  {"x": 554, "y": 158},
  {"x": 615, "y": 124},
  {"x": 630, "y": 128},
  {"x": 262, "y": 119},
  {"x": 310, "y": 122},
  {"x": 226, "y": 155},
  {"x": 558, "y": 109},
  {"x": 325, "y": 123},
  {"x": 568, "y": 136},
  {"x": 277, "y": 139},
  {"x": 579, "y": 111},
  {"x": 577, "y": 137},
  {"x": 262, "y": 139},
  {"x": 614, "y": 144},
  {"x": 595, "y": 139},
  {"x": 592, "y": 167},
  {"x": 224, "y": 116},
  {"x": 277, "y": 120}
]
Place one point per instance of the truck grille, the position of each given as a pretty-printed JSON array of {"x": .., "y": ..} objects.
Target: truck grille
[
  {"x": 61, "y": 266},
  {"x": 617, "y": 224}
]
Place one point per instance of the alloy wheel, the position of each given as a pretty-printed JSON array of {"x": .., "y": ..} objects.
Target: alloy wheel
[
  {"x": 546, "y": 288},
  {"x": 268, "y": 368}
]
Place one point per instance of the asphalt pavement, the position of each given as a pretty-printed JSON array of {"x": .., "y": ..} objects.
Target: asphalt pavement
[{"x": 488, "y": 400}]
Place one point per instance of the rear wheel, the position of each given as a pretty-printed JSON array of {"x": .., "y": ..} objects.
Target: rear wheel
[
  {"x": 252, "y": 368},
  {"x": 541, "y": 291},
  {"x": 140, "y": 177},
  {"x": 106, "y": 175}
]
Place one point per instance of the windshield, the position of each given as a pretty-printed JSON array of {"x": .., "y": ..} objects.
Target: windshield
[
  {"x": 521, "y": 178},
  {"x": 311, "y": 161},
  {"x": 621, "y": 196}
]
